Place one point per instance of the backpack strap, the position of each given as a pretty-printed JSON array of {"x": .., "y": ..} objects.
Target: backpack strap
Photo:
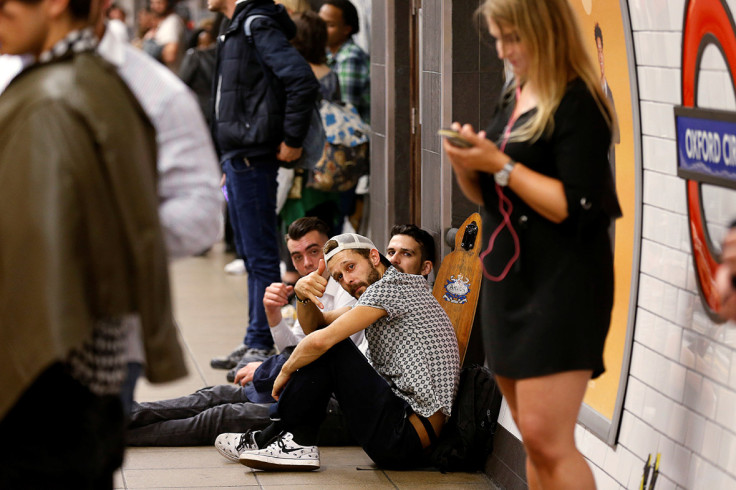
[
  {"x": 248, "y": 21},
  {"x": 249, "y": 37}
]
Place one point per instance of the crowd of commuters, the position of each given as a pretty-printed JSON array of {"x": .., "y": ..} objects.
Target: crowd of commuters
[{"x": 369, "y": 357}]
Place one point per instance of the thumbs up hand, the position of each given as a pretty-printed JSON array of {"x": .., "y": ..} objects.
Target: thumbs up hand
[{"x": 312, "y": 286}]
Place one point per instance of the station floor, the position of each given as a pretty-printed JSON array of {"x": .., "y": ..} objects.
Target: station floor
[{"x": 210, "y": 308}]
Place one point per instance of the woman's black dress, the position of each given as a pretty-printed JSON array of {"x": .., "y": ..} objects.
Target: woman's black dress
[{"x": 552, "y": 310}]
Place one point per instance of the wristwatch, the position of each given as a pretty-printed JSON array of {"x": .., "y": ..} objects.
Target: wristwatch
[{"x": 502, "y": 176}]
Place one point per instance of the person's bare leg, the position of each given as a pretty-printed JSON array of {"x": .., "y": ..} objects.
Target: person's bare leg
[
  {"x": 508, "y": 389},
  {"x": 547, "y": 410}
]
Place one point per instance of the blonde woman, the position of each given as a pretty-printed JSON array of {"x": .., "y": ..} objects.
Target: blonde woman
[{"x": 541, "y": 173}]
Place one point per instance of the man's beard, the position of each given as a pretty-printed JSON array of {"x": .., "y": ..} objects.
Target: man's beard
[{"x": 373, "y": 276}]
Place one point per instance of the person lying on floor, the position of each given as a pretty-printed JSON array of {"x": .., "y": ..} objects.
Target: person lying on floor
[{"x": 396, "y": 403}]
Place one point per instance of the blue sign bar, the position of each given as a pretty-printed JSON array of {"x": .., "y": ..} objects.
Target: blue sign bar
[{"x": 706, "y": 145}]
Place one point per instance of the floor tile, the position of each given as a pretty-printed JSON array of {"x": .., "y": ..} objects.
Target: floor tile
[{"x": 233, "y": 476}]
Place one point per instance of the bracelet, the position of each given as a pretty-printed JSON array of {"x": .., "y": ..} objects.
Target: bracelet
[{"x": 302, "y": 301}]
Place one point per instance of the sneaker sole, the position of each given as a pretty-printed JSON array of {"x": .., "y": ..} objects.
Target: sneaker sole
[
  {"x": 226, "y": 454},
  {"x": 258, "y": 462}
]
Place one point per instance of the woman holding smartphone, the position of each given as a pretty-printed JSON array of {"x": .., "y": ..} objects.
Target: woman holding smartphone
[{"x": 541, "y": 173}]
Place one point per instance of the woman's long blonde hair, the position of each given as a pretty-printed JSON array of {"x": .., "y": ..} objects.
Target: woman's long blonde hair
[{"x": 557, "y": 55}]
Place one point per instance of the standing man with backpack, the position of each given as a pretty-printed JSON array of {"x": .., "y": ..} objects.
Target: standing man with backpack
[{"x": 264, "y": 93}]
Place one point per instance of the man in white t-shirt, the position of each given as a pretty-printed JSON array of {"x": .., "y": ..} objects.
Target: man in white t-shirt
[{"x": 169, "y": 33}]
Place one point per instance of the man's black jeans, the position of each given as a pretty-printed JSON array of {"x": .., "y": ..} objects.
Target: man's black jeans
[{"x": 377, "y": 418}]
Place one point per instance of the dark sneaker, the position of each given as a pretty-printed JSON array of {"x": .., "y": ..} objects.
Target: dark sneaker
[
  {"x": 255, "y": 355},
  {"x": 231, "y": 360},
  {"x": 231, "y": 444},
  {"x": 283, "y": 454}
]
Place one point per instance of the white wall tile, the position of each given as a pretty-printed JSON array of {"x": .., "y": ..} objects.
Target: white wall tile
[
  {"x": 666, "y": 227},
  {"x": 603, "y": 481},
  {"x": 693, "y": 381},
  {"x": 715, "y": 90},
  {"x": 627, "y": 464},
  {"x": 673, "y": 382},
  {"x": 611, "y": 462},
  {"x": 665, "y": 191},
  {"x": 726, "y": 409},
  {"x": 658, "y": 49},
  {"x": 665, "y": 263},
  {"x": 634, "y": 402},
  {"x": 657, "y": 119},
  {"x": 686, "y": 301},
  {"x": 706, "y": 401},
  {"x": 712, "y": 441},
  {"x": 677, "y": 429},
  {"x": 660, "y": 84},
  {"x": 727, "y": 455},
  {"x": 732, "y": 377},
  {"x": 656, "y": 15},
  {"x": 659, "y": 154},
  {"x": 677, "y": 469},
  {"x": 657, "y": 409},
  {"x": 695, "y": 431}
]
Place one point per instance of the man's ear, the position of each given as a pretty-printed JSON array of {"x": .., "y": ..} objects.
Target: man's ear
[
  {"x": 375, "y": 257},
  {"x": 426, "y": 268}
]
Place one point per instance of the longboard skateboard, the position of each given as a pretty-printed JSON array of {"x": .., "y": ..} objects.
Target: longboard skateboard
[{"x": 458, "y": 280}]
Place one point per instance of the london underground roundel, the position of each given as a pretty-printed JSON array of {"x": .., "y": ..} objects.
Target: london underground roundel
[{"x": 706, "y": 139}]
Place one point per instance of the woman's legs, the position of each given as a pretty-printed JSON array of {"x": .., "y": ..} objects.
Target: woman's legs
[{"x": 545, "y": 410}]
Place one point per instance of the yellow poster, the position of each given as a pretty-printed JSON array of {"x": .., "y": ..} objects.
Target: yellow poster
[{"x": 603, "y": 34}]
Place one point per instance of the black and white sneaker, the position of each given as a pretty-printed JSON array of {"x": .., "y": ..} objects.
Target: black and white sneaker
[
  {"x": 283, "y": 454},
  {"x": 232, "y": 444}
]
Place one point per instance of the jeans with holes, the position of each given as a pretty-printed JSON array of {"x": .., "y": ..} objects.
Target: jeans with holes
[{"x": 251, "y": 187}]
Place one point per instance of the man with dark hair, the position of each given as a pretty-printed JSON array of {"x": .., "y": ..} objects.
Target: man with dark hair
[
  {"x": 411, "y": 250},
  {"x": 345, "y": 57},
  {"x": 198, "y": 419},
  {"x": 83, "y": 249},
  {"x": 397, "y": 403},
  {"x": 265, "y": 93}
]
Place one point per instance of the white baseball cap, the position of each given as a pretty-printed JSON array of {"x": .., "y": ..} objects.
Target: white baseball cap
[{"x": 348, "y": 241}]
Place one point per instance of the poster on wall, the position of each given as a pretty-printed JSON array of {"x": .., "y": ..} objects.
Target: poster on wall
[{"x": 605, "y": 32}]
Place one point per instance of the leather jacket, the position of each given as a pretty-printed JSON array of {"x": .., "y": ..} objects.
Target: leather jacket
[{"x": 80, "y": 238}]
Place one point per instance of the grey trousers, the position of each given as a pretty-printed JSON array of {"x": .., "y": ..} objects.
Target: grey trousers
[{"x": 197, "y": 419}]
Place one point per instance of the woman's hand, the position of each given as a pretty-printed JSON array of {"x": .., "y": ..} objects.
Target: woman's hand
[{"x": 483, "y": 156}]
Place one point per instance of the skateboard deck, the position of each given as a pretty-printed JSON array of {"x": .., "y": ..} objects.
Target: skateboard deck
[{"x": 458, "y": 280}]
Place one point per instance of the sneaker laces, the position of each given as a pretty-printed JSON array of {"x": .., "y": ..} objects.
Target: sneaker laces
[{"x": 243, "y": 442}]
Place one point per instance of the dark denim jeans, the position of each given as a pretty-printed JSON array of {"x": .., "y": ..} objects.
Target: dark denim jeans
[
  {"x": 197, "y": 419},
  {"x": 251, "y": 188},
  {"x": 376, "y": 417}
]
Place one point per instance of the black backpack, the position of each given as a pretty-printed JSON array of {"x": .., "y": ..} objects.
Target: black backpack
[{"x": 467, "y": 438}]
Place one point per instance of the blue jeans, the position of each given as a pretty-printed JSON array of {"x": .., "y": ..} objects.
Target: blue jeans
[{"x": 251, "y": 188}]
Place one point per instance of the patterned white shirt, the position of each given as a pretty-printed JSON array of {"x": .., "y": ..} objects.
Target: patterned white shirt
[{"x": 414, "y": 346}]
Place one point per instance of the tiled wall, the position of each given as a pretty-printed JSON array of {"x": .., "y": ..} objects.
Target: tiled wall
[{"x": 681, "y": 398}]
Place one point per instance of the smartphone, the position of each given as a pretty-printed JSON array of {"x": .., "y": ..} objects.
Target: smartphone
[{"x": 454, "y": 138}]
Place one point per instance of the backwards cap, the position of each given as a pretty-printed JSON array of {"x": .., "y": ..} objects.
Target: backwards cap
[{"x": 348, "y": 241}]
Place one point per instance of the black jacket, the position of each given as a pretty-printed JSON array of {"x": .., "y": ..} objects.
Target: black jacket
[{"x": 265, "y": 97}]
